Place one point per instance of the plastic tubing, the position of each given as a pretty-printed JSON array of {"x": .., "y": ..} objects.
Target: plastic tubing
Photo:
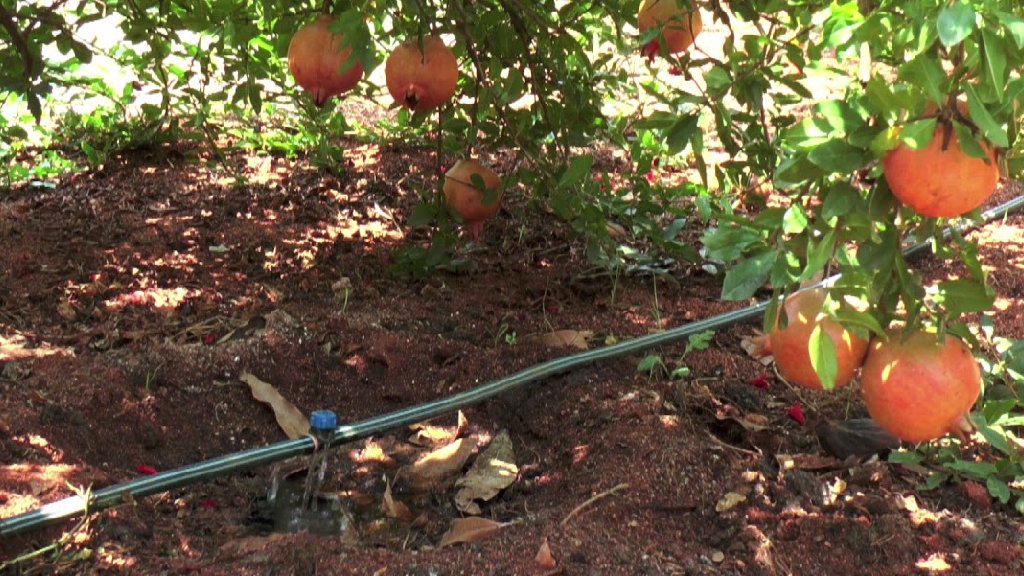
[{"x": 148, "y": 485}]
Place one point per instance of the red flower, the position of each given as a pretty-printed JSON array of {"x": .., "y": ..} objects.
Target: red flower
[
  {"x": 209, "y": 339},
  {"x": 208, "y": 503},
  {"x": 796, "y": 413},
  {"x": 145, "y": 470},
  {"x": 760, "y": 382}
]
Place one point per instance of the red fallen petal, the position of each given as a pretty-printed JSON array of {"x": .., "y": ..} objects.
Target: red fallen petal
[
  {"x": 796, "y": 413},
  {"x": 147, "y": 470},
  {"x": 761, "y": 381},
  {"x": 208, "y": 339},
  {"x": 208, "y": 503}
]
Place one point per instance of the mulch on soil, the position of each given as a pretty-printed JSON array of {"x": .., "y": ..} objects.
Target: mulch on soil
[{"x": 133, "y": 298}]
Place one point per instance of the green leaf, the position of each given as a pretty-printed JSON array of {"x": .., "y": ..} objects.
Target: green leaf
[
  {"x": 678, "y": 136},
  {"x": 699, "y": 341},
  {"x": 965, "y": 296},
  {"x": 840, "y": 116},
  {"x": 955, "y": 23},
  {"x": 918, "y": 134},
  {"x": 794, "y": 221},
  {"x": 818, "y": 255},
  {"x": 995, "y": 61},
  {"x": 650, "y": 364},
  {"x": 994, "y": 410},
  {"x": 794, "y": 171},
  {"x": 996, "y": 437},
  {"x": 679, "y": 373},
  {"x": 998, "y": 489},
  {"x": 934, "y": 480},
  {"x": 823, "y": 357},
  {"x": 975, "y": 469},
  {"x": 743, "y": 280},
  {"x": 927, "y": 74},
  {"x": 838, "y": 157},
  {"x": 422, "y": 215},
  {"x": 726, "y": 244},
  {"x": 968, "y": 142},
  {"x": 981, "y": 117},
  {"x": 857, "y": 319},
  {"x": 579, "y": 167},
  {"x": 1014, "y": 25},
  {"x": 905, "y": 457},
  {"x": 884, "y": 141},
  {"x": 839, "y": 201}
]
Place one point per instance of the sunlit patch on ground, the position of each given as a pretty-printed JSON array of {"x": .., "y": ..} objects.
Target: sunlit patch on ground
[
  {"x": 30, "y": 484},
  {"x": 18, "y": 347}
]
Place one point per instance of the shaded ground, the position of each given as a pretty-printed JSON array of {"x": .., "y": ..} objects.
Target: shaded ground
[{"x": 131, "y": 300}]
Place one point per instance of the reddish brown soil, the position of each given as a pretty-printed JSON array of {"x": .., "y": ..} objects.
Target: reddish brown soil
[{"x": 119, "y": 290}]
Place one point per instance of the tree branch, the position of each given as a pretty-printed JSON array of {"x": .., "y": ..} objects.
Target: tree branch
[{"x": 18, "y": 39}]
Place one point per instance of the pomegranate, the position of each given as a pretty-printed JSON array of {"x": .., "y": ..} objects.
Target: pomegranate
[
  {"x": 917, "y": 388},
  {"x": 319, "y": 63},
  {"x": 680, "y": 20},
  {"x": 789, "y": 345},
  {"x": 465, "y": 199},
  {"x": 422, "y": 80},
  {"x": 941, "y": 180}
]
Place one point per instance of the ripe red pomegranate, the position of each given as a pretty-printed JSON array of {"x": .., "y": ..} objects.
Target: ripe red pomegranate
[
  {"x": 941, "y": 180},
  {"x": 918, "y": 389},
  {"x": 422, "y": 80},
  {"x": 681, "y": 21},
  {"x": 789, "y": 345},
  {"x": 316, "y": 60},
  {"x": 465, "y": 199}
]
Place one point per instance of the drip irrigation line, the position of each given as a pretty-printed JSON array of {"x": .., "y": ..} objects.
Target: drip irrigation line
[{"x": 148, "y": 485}]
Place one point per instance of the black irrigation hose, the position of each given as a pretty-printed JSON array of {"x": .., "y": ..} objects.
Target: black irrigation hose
[{"x": 145, "y": 486}]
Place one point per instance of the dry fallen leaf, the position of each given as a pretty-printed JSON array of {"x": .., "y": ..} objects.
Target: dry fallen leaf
[
  {"x": 494, "y": 470},
  {"x": 544, "y": 558},
  {"x": 758, "y": 347},
  {"x": 560, "y": 338},
  {"x": 469, "y": 530},
  {"x": 289, "y": 418},
  {"x": 729, "y": 501},
  {"x": 430, "y": 435},
  {"x": 807, "y": 462},
  {"x": 394, "y": 508},
  {"x": 434, "y": 468}
]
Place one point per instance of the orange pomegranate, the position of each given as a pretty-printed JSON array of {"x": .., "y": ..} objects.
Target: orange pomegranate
[
  {"x": 917, "y": 388},
  {"x": 466, "y": 199},
  {"x": 422, "y": 80},
  {"x": 680, "y": 20},
  {"x": 319, "y": 62},
  {"x": 941, "y": 180},
  {"x": 789, "y": 345}
]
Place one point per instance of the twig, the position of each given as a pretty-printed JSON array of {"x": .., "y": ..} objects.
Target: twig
[
  {"x": 725, "y": 444},
  {"x": 591, "y": 500},
  {"x": 8, "y": 22}
]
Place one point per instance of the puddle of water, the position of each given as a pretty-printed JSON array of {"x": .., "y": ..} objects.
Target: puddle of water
[{"x": 319, "y": 513}]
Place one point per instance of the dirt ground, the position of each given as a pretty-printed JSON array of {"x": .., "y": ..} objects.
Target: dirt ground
[{"x": 132, "y": 300}]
